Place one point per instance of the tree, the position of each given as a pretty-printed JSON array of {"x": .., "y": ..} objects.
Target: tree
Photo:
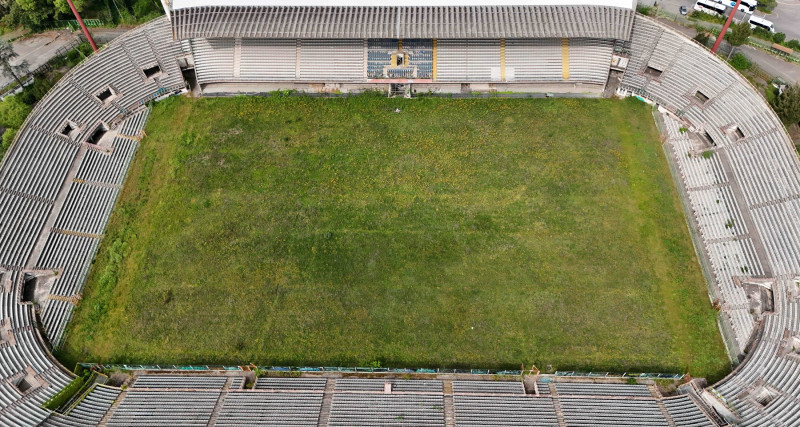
[
  {"x": 787, "y": 105},
  {"x": 63, "y": 7},
  {"x": 779, "y": 37},
  {"x": 32, "y": 14},
  {"x": 11, "y": 70},
  {"x": 738, "y": 33},
  {"x": 13, "y": 112},
  {"x": 8, "y": 136}
]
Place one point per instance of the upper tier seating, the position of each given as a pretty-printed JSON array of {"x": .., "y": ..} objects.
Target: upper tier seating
[
  {"x": 56, "y": 193},
  {"x": 753, "y": 179}
]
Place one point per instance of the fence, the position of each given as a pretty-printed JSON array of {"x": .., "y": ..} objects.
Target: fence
[
  {"x": 27, "y": 79},
  {"x": 72, "y": 24},
  {"x": 296, "y": 369}
]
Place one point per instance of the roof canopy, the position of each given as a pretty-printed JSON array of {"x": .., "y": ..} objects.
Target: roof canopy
[
  {"x": 200, "y": 19},
  {"x": 184, "y": 4}
]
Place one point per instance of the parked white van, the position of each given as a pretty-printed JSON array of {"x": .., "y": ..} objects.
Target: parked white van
[{"x": 756, "y": 22}]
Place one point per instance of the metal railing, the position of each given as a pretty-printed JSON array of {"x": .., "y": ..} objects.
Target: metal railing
[{"x": 373, "y": 370}]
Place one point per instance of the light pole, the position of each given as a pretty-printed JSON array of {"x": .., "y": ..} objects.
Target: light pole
[
  {"x": 86, "y": 30},
  {"x": 724, "y": 27}
]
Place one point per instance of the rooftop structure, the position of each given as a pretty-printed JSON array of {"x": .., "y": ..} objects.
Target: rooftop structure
[{"x": 607, "y": 19}]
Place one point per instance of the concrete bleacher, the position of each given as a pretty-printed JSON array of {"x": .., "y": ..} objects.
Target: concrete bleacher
[
  {"x": 495, "y": 387},
  {"x": 685, "y": 413},
  {"x": 612, "y": 412},
  {"x": 243, "y": 408},
  {"x": 753, "y": 178},
  {"x": 89, "y": 411},
  {"x": 589, "y": 389},
  {"x": 468, "y": 60},
  {"x": 325, "y": 60},
  {"x": 369, "y": 409},
  {"x": 517, "y": 410},
  {"x": 174, "y": 408},
  {"x": 52, "y": 216},
  {"x": 360, "y": 384},
  {"x": 180, "y": 381},
  {"x": 306, "y": 384}
]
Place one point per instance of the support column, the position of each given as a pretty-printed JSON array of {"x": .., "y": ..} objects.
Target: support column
[
  {"x": 237, "y": 57},
  {"x": 503, "y": 59},
  {"x": 434, "y": 59}
]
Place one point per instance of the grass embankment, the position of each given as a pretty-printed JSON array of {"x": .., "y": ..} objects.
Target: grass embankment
[{"x": 472, "y": 233}]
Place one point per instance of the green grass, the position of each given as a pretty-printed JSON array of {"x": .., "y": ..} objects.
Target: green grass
[{"x": 455, "y": 233}]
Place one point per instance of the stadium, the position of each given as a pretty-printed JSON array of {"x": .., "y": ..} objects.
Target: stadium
[{"x": 731, "y": 157}]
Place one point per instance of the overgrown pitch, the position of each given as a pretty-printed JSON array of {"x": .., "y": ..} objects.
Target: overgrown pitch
[{"x": 471, "y": 233}]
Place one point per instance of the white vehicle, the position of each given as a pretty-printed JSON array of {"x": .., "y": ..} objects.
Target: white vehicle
[
  {"x": 756, "y": 22},
  {"x": 746, "y": 6},
  {"x": 710, "y": 7}
]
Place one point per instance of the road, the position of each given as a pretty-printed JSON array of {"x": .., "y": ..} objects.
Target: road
[
  {"x": 786, "y": 17},
  {"x": 774, "y": 66},
  {"x": 38, "y": 49}
]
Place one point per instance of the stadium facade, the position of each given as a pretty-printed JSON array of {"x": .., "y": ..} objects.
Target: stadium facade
[
  {"x": 439, "y": 46},
  {"x": 61, "y": 177}
]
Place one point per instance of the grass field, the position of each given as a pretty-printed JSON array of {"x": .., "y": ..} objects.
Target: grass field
[{"x": 454, "y": 233}]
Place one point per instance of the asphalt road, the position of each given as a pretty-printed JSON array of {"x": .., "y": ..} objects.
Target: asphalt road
[
  {"x": 38, "y": 49},
  {"x": 786, "y": 18}
]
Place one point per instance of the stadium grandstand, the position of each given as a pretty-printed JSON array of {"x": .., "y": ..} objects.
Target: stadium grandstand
[
  {"x": 62, "y": 175},
  {"x": 441, "y": 47}
]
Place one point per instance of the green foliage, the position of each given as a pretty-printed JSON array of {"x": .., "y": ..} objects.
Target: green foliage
[
  {"x": 766, "y": 5},
  {"x": 770, "y": 92},
  {"x": 36, "y": 91},
  {"x": 737, "y": 34},
  {"x": 644, "y": 10},
  {"x": 787, "y": 105},
  {"x": 8, "y": 138},
  {"x": 779, "y": 37},
  {"x": 702, "y": 38},
  {"x": 740, "y": 62},
  {"x": 37, "y": 15},
  {"x": 146, "y": 10},
  {"x": 729, "y": 223},
  {"x": 32, "y": 14},
  {"x": 793, "y": 44},
  {"x": 708, "y": 154},
  {"x": 73, "y": 57},
  {"x": 707, "y": 17},
  {"x": 63, "y": 396},
  {"x": 13, "y": 111},
  {"x": 299, "y": 230},
  {"x": 631, "y": 381},
  {"x": 763, "y": 34}
]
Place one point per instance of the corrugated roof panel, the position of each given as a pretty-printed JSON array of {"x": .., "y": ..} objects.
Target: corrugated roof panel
[{"x": 402, "y": 22}]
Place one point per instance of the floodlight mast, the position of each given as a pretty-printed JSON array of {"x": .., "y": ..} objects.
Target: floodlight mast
[
  {"x": 724, "y": 27},
  {"x": 83, "y": 26}
]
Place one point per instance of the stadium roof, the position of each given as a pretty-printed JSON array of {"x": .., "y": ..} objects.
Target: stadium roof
[
  {"x": 184, "y": 4},
  {"x": 590, "y": 19}
]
